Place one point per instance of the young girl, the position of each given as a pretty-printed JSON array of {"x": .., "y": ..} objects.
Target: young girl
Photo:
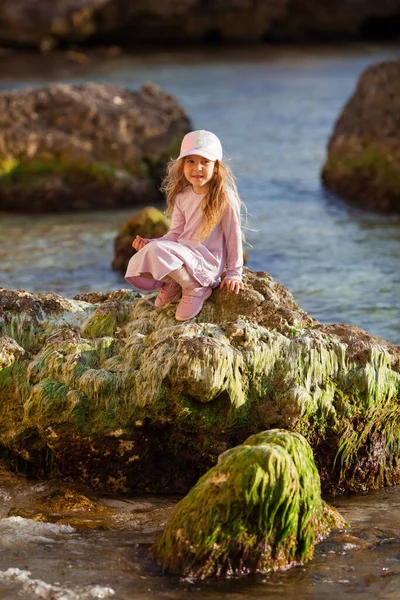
[{"x": 205, "y": 237}]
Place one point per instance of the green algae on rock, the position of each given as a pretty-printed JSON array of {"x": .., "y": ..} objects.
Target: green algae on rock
[
  {"x": 109, "y": 389},
  {"x": 258, "y": 509}
]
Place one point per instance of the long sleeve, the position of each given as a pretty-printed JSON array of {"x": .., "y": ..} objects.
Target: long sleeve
[
  {"x": 177, "y": 224},
  {"x": 230, "y": 224}
]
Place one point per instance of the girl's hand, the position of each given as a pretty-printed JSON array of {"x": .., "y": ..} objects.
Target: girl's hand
[
  {"x": 232, "y": 285},
  {"x": 139, "y": 242}
]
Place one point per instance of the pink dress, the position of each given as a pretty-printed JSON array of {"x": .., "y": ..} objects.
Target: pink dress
[{"x": 205, "y": 260}]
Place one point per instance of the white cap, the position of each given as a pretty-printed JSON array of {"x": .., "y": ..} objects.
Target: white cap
[{"x": 203, "y": 143}]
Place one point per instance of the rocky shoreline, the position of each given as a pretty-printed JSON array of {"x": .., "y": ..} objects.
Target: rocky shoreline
[{"x": 46, "y": 25}]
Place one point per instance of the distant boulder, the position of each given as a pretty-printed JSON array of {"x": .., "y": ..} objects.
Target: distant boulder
[
  {"x": 43, "y": 23},
  {"x": 48, "y": 24},
  {"x": 81, "y": 147},
  {"x": 363, "y": 161}
]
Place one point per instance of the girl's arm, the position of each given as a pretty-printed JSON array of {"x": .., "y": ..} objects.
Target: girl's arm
[
  {"x": 230, "y": 224},
  {"x": 177, "y": 223}
]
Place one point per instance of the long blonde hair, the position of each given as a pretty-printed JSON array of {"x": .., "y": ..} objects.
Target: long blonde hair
[{"x": 214, "y": 202}]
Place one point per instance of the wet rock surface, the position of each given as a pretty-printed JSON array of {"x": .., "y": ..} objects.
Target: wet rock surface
[
  {"x": 110, "y": 390},
  {"x": 66, "y": 507},
  {"x": 363, "y": 161},
  {"x": 81, "y": 147}
]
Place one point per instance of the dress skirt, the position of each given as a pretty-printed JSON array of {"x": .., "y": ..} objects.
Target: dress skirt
[{"x": 160, "y": 257}]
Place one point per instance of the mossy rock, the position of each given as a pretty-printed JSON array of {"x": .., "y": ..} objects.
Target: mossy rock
[
  {"x": 258, "y": 509},
  {"x": 369, "y": 177},
  {"x": 107, "y": 388},
  {"x": 148, "y": 223}
]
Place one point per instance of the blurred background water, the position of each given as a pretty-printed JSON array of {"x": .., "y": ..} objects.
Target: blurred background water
[{"x": 274, "y": 109}]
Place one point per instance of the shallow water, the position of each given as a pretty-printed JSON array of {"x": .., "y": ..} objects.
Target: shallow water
[
  {"x": 274, "y": 109},
  {"x": 54, "y": 560}
]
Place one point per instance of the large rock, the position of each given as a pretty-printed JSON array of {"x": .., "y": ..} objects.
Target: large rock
[
  {"x": 258, "y": 509},
  {"x": 79, "y": 147},
  {"x": 111, "y": 390},
  {"x": 45, "y": 24},
  {"x": 363, "y": 161}
]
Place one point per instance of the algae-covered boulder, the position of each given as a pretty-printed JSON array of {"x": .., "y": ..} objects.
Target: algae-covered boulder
[
  {"x": 79, "y": 147},
  {"x": 258, "y": 509},
  {"x": 148, "y": 223},
  {"x": 109, "y": 389},
  {"x": 363, "y": 161}
]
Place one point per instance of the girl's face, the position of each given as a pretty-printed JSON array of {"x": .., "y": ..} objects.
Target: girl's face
[{"x": 198, "y": 171}]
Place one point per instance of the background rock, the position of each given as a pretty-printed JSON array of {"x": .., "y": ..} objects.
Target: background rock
[
  {"x": 148, "y": 223},
  {"x": 341, "y": 19},
  {"x": 80, "y": 147},
  {"x": 363, "y": 161},
  {"x": 46, "y": 24},
  {"x": 38, "y": 22}
]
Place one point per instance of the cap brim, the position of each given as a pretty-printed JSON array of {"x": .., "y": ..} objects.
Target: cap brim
[{"x": 200, "y": 152}]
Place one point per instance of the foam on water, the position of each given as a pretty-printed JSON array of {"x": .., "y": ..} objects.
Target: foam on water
[
  {"x": 16, "y": 532},
  {"x": 36, "y": 588}
]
